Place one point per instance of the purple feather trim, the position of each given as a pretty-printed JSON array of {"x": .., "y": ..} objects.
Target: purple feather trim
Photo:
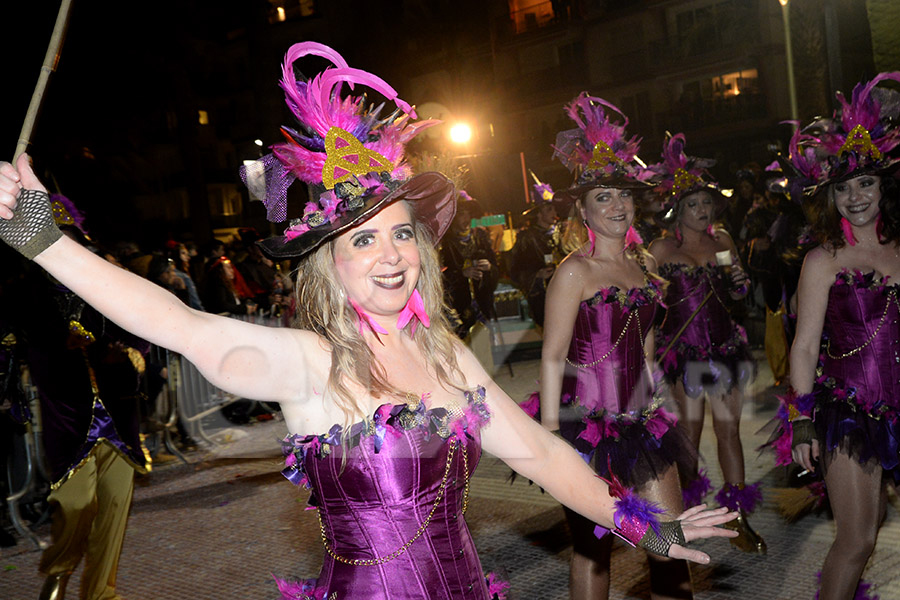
[
  {"x": 532, "y": 406},
  {"x": 740, "y": 497},
  {"x": 863, "y": 590},
  {"x": 634, "y": 508},
  {"x": 304, "y": 589},
  {"x": 696, "y": 490}
]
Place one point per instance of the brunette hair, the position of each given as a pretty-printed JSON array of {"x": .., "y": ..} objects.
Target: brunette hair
[
  {"x": 324, "y": 309},
  {"x": 825, "y": 220}
]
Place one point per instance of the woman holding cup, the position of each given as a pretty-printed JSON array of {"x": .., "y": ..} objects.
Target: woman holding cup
[{"x": 702, "y": 351}]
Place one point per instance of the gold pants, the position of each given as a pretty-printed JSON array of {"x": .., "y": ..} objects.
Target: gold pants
[
  {"x": 90, "y": 511},
  {"x": 777, "y": 350}
]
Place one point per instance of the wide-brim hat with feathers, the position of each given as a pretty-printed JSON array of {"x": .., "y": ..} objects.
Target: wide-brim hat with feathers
[
  {"x": 598, "y": 152},
  {"x": 862, "y": 137},
  {"x": 351, "y": 158},
  {"x": 678, "y": 175}
]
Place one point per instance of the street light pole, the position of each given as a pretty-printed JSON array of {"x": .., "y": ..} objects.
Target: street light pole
[{"x": 789, "y": 54}]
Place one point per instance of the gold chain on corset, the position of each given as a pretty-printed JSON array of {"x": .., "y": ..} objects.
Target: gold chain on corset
[
  {"x": 358, "y": 562},
  {"x": 892, "y": 295},
  {"x": 615, "y": 345}
]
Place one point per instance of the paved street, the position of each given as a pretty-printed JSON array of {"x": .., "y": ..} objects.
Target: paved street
[{"x": 217, "y": 529}]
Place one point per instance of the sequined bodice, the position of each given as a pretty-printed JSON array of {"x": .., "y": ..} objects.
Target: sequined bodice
[
  {"x": 862, "y": 336},
  {"x": 400, "y": 496},
  {"x": 605, "y": 367}
]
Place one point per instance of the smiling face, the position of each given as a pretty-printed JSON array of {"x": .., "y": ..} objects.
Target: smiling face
[
  {"x": 696, "y": 211},
  {"x": 609, "y": 212},
  {"x": 378, "y": 262},
  {"x": 857, "y": 199}
]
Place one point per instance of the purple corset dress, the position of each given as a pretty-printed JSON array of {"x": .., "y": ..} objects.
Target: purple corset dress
[
  {"x": 608, "y": 411},
  {"x": 858, "y": 394},
  {"x": 397, "y": 501},
  {"x": 712, "y": 353}
]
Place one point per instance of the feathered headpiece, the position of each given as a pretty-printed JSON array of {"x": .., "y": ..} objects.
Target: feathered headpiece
[
  {"x": 598, "y": 151},
  {"x": 861, "y": 137},
  {"x": 679, "y": 174},
  {"x": 351, "y": 157},
  {"x": 540, "y": 192}
]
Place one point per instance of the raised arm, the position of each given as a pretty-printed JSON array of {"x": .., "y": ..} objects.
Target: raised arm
[
  {"x": 248, "y": 360},
  {"x": 561, "y": 308}
]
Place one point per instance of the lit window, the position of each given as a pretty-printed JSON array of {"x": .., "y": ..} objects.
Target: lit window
[
  {"x": 280, "y": 13},
  {"x": 203, "y": 117}
]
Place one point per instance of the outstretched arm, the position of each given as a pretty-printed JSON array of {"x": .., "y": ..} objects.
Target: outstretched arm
[
  {"x": 535, "y": 453},
  {"x": 248, "y": 360}
]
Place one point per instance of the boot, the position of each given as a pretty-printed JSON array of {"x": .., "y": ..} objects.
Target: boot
[
  {"x": 55, "y": 587},
  {"x": 747, "y": 540},
  {"x": 742, "y": 499}
]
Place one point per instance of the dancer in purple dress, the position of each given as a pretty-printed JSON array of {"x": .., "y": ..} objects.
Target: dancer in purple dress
[
  {"x": 841, "y": 416},
  {"x": 388, "y": 411},
  {"x": 702, "y": 351},
  {"x": 596, "y": 383}
]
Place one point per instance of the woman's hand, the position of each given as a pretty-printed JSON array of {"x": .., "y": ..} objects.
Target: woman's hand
[
  {"x": 806, "y": 455},
  {"x": 700, "y": 523},
  {"x": 472, "y": 273}
]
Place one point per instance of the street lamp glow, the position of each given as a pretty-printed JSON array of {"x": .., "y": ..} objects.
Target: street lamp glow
[
  {"x": 460, "y": 133},
  {"x": 258, "y": 142}
]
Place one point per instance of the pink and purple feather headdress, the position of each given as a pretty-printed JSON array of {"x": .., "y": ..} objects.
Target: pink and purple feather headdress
[
  {"x": 861, "y": 137},
  {"x": 350, "y": 156},
  {"x": 678, "y": 174},
  {"x": 598, "y": 150}
]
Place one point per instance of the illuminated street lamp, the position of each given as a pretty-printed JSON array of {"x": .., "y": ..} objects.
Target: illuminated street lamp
[
  {"x": 460, "y": 133},
  {"x": 789, "y": 54}
]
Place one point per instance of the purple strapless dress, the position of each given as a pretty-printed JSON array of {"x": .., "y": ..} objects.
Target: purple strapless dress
[
  {"x": 400, "y": 493},
  {"x": 711, "y": 354},
  {"x": 609, "y": 412},
  {"x": 858, "y": 393}
]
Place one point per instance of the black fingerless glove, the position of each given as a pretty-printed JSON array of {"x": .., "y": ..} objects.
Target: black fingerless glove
[
  {"x": 670, "y": 532},
  {"x": 804, "y": 432},
  {"x": 32, "y": 228}
]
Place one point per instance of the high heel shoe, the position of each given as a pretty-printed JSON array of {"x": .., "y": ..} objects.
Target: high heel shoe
[
  {"x": 55, "y": 587},
  {"x": 747, "y": 540}
]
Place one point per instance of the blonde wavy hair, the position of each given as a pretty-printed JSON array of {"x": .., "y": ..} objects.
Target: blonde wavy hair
[{"x": 323, "y": 308}]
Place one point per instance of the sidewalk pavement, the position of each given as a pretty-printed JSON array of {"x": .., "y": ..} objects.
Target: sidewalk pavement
[{"x": 220, "y": 526}]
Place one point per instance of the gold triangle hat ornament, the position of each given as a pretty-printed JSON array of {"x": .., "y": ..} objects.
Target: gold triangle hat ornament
[
  {"x": 861, "y": 137},
  {"x": 351, "y": 158},
  {"x": 678, "y": 175},
  {"x": 598, "y": 150}
]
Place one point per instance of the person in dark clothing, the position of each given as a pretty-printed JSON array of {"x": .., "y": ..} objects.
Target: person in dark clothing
[
  {"x": 226, "y": 291},
  {"x": 534, "y": 257},
  {"x": 470, "y": 269}
]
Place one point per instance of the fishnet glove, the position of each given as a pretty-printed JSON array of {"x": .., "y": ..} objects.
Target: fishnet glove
[
  {"x": 32, "y": 228},
  {"x": 804, "y": 432},
  {"x": 670, "y": 532}
]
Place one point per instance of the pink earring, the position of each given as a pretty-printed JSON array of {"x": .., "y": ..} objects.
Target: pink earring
[
  {"x": 711, "y": 230},
  {"x": 592, "y": 237},
  {"x": 848, "y": 231},
  {"x": 678, "y": 235},
  {"x": 632, "y": 237},
  {"x": 366, "y": 319},
  {"x": 415, "y": 308}
]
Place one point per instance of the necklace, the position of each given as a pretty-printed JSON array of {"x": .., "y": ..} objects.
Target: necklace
[{"x": 892, "y": 296}]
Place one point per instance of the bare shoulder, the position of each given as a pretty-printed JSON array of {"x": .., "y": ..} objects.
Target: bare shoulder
[
  {"x": 661, "y": 247},
  {"x": 725, "y": 238},
  {"x": 573, "y": 264}
]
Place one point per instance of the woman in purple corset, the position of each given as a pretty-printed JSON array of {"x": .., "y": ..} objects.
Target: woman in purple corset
[
  {"x": 840, "y": 417},
  {"x": 702, "y": 351},
  {"x": 388, "y": 411},
  {"x": 596, "y": 385}
]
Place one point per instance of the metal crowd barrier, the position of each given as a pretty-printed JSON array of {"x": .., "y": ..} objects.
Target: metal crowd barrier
[{"x": 195, "y": 397}]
